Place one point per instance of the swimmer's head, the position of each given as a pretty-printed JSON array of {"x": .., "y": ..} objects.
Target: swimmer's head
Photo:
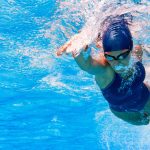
[{"x": 117, "y": 36}]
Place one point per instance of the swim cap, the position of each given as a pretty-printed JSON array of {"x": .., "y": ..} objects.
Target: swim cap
[{"x": 117, "y": 36}]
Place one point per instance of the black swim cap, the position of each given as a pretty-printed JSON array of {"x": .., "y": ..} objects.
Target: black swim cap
[{"x": 117, "y": 36}]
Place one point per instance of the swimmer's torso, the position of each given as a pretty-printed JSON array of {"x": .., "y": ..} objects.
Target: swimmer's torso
[{"x": 133, "y": 92}]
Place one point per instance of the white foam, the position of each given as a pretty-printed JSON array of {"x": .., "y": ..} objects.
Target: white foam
[{"x": 95, "y": 12}]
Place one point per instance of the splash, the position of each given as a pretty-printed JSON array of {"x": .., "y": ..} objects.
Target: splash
[
  {"x": 124, "y": 68},
  {"x": 89, "y": 16}
]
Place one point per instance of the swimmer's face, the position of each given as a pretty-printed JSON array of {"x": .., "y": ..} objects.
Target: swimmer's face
[{"x": 118, "y": 60}]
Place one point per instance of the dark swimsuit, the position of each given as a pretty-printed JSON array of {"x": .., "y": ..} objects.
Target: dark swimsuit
[{"x": 127, "y": 95}]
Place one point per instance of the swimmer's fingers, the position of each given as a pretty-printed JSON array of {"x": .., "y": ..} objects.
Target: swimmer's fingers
[
  {"x": 75, "y": 53},
  {"x": 60, "y": 51},
  {"x": 63, "y": 49}
]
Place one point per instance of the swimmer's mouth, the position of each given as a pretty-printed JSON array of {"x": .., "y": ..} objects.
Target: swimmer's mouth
[{"x": 119, "y": 68}]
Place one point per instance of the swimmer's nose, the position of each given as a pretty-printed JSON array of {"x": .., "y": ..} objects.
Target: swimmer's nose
[{"x": 115, "y": 63}]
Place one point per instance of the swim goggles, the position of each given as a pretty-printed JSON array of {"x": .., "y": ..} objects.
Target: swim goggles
[{"x": 119, "y": 57}]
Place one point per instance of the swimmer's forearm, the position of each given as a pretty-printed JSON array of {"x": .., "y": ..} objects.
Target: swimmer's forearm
[
  {"x": 89, "y": 64},
  {"x": 83, "y": 63}
]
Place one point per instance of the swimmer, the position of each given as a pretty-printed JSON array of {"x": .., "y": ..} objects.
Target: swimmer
[{"x": 120, "y": 79}]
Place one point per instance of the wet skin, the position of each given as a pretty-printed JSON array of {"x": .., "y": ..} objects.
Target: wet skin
[{"x": 104, "y": 71}]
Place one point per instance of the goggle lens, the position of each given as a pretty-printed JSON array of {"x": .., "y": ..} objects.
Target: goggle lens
[{"x": 119, "y": 57}]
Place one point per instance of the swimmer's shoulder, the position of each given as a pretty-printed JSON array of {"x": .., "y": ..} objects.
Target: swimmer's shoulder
[
  {"x": 100, "y": 60},
  {"x": 105, "y": 78}
]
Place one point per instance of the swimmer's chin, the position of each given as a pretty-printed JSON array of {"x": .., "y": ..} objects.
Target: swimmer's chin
[
  {"x": 121, "y": 71},
  {"x": 117, "y": 70}
]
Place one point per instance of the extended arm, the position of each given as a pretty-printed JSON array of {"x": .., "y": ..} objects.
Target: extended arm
[{"x": 89, "y": 64}]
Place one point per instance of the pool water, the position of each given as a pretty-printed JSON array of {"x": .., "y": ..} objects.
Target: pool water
[{"x": 48, "y": 103}]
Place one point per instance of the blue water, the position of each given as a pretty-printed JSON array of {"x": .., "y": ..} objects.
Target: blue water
[{"x": 47, "y": 103}]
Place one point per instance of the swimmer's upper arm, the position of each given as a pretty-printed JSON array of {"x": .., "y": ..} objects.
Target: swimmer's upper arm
[{"x": 90, "y": 64}]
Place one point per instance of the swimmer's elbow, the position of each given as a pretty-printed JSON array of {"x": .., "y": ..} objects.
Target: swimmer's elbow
[
  {"x": 87, "y": 65},
  {"x": 84, "y": 64},
  {"x": 87, "y": 68},
  {"x": 94, "y": 70}
]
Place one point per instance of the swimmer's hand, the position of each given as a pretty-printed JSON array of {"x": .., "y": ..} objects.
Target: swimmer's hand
[
  {"x": 75, "y": 53},
  {"x": 78, "y": 43},
  {"x": 63, "y": 49},
  {"x": 73, "y": 46},
  {"x": 69, "y": 46}
]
